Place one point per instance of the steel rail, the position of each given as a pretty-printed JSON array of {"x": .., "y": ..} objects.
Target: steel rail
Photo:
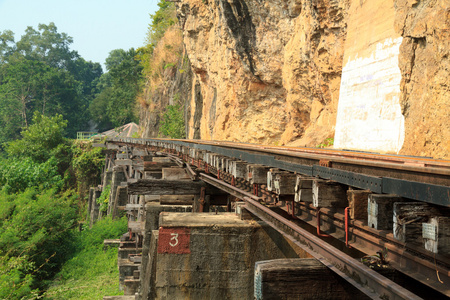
[
  {"x": 368, "y": 281},
  {"x": 413, "y": 164}
]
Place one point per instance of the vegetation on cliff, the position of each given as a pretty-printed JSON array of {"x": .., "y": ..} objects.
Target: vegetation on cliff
[{"x": 161, "y": 58}]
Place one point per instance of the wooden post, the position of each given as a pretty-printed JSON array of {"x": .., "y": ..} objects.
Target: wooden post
[
  {"x": 201, "y": 204},
  {"x": 238, "y": 169}
]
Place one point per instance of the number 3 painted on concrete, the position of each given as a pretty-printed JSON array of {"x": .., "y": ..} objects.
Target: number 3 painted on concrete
[{"x": 174, "y": 238}]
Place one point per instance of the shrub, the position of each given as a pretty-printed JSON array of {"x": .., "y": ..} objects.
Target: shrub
[
  {"x": 104, "y": 198},
  {"x": 172, "y": 124}
]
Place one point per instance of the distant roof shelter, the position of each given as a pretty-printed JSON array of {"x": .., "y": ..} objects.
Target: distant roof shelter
[{"x": 126, "y": 130}]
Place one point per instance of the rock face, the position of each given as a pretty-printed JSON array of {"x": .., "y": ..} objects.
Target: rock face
[
  {"x": 425, "y": 67},
  {"x": 265, "y": 71},
  {"x": 176, "y": 89},
  {"x": 269, "y": 72}
]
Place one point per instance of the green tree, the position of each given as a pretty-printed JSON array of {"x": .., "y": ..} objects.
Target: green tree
[
  {"x": 40, "y": 139},
  {"x": 115, "y": 105},
  {"x": 6, "y": 45},
  {"x": 47, "y": 45},
  {"x": 41, "y": 73}
]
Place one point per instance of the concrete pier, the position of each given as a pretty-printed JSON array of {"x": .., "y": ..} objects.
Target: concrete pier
[{"x": 212, "y": 256}]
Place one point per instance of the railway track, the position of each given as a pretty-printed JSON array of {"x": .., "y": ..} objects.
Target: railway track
[{"x": 328, "y": 233}]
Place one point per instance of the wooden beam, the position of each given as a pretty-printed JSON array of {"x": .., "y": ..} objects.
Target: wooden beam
[
  {"x": 170, "y": 187},
  {"x": 380, "y": 209},
  {"x": 176, "y": 199},
  {"x": 285, "y": 183},
  {"x": 256, "y": 174},
  {"x": 303, "y": 189},
  {"x": 157, "y": 166},
  {"x": 357, "y": 201},
  {"x": 328, "y": 193}
]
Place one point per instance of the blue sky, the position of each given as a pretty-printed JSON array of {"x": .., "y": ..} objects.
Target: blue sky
[{"x": 96, "y": 26}]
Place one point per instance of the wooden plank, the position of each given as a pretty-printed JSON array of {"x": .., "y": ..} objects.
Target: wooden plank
[
  {"x": 170, "y": 187},
  {"x": 357, "y": 201},
  {"x": 131, "y": 207},
  {"x": 153, "y": 175},
  {"x": 328, "y": 193},
  {"x": 122, "y": 156},
  {"x": 110, "y": 146},
  {"x": 98, "y": 145},
  {"x": 139, "y": 152},
  {"x": 161, "y": 159},
  {"x": 123, "y": 162}
]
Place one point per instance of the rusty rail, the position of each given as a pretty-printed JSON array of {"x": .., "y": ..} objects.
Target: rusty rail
[{"x": 368, "y": 281}]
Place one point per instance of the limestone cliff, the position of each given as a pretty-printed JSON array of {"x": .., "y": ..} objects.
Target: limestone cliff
[
  {"x": 425, "y": 66},
  {"x": 269, "y": 72}
]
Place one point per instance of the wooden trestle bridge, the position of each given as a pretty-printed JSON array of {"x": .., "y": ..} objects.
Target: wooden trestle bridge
[{"x": 339, "y": 206}]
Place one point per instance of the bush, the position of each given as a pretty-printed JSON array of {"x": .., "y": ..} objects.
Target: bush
[
  {"x": 35, "y": 237},
  {"x": 91, "y": 268},
  {"x": 16, "y": 175},
  {"x": 39, "y": 139},
  {"x": 172, "y": 124},
  {"x": 104, "y": 198}
]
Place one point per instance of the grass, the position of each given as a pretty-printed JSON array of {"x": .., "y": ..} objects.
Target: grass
[{"x": 92, "y": 273}]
